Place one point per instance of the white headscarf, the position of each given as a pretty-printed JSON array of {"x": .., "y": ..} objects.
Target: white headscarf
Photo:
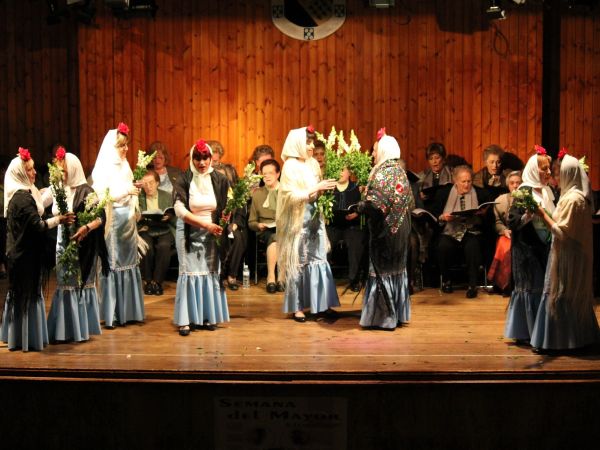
[
  {"x": 573, "y": 177},
  {"x": 75, "y": 173},
  {"x": 16, "y": 179},
  {"x": 201, "y": 180},
  {"x": 387, "y": 148},
  {"x": 112, "y": 172},
  {"x": 531, "y": 178},
  {"x": 295, "y": 145},
  {"x": 75, "y": 177}
]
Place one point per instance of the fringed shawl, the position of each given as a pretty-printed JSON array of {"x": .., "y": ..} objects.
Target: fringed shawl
[{"x": 571, "y": 265}]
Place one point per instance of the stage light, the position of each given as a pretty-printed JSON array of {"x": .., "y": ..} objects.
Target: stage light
[
  {"x": 382, "y": 3},
  {"x": 129, "y": 8},
  {"x": 495, "y": 12}
]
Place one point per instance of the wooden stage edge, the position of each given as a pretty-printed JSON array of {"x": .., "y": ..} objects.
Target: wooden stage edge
[{"x": 450, "y": 339}]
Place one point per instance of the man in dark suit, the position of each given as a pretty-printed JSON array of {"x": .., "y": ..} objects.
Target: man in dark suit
[{"x": 463, "y": 226}]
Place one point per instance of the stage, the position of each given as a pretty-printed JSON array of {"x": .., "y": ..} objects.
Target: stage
[{"x": 447, "y": 379}]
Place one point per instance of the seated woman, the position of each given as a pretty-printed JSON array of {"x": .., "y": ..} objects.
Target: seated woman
[
  {"x": 168, "y": 175},
  {"x": 500, "y": 270},
  {"x": 223, "y": 168},
  {"x": 438, "y": 174},
  {"x": 157, "y": 228},
  {"x": 566, "y": 318},
  {"x": 460, "y": 234},
  {"x": 491, "y": 176},
  {"x": 345, "y": 226},
  {"x": 263, "y": 210}
]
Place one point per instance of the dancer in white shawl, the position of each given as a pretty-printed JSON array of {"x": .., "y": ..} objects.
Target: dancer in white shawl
[
  {"x": 530, "y": 244},
  {"x": 24, "y": 314},
  {"x": 121, "y": 291},
  {"x": 301, "y": 238},
  {"x": 74, "y": 313},
  {"x": 566, "y": 319}
]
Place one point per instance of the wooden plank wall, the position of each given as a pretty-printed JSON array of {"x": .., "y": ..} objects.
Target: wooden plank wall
[
  {"x": 38, "y": 80},
  {"x": 221, "y": 70},
  {"x": 580, "y": 89},
  {"x": 437, "y": 71}
]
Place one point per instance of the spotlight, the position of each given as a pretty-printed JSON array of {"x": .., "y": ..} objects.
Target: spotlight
[
  {"x": 495, "y": 12},
  {"x": 128, "y": 8},
  {"x": 382, "y": 3}
]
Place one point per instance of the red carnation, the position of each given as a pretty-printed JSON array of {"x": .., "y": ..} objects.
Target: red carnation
[
  {"x": 562, "y": 153},
  {"x": 380, "y": 133},
  {"x": 310, "y": 129},
  {"x": 539, "y": 149},
  {"x": 60, "y": 153},
  {"x": 24, "y": 154},
  {"x": 123, "y": 128},
  {"x": 201, "y": 145}
]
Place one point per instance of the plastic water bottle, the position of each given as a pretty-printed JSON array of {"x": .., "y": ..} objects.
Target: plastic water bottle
[{"x": 245, "y": 277}]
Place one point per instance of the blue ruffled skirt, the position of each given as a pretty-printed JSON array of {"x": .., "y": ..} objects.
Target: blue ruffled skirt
[
  {"x": 74, "y": 313},
  {"x": 26, "y": 331},
  {"x": 522, "y": 312},
  {"x": 200, "y": 297},
  {"x": 121, "y": 293},
  {"x": 314, "y": 287},
  {"x": 375, "y": 313},
  {"x": 563, "y": 330}
]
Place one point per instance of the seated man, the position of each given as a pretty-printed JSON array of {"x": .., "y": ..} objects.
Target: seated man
[
  {"x": 460, "y": 233},
  {"x": 262, "y": 218},
  {"x": 346, "y": 226},
  {"x": 157, "y": 228}
]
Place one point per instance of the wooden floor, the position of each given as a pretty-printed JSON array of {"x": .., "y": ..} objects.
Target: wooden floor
[{"x": 449, "y": 339}]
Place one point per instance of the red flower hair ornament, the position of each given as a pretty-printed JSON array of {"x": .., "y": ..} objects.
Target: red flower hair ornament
[
  {"x": 60, "y": 153},
  {"x": 24, "y": 154},
  {"x": 380, "y": 133},
  {"x": 123, "y": 128},
  {"x": 562, "y": 153},
  {"x": 540, "y": 150},
  {"x": 310, "y": 129},
  {"x": 201, "y": 146}
]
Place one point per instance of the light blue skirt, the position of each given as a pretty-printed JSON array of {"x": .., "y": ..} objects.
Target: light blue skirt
[
  {"x": 377, "y": 314},
  {"x": 121, "y": 293},
  {"x": 200, "y": 298},
  {"x": 74, "y": 313},
  {"x": 522, "y": 312},
  {"x": 26, "y": 331},
  {"x": 314, "y": 286},
  {"x": 563, "y": 330}
]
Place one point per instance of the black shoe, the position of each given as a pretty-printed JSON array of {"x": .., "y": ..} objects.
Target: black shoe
[
  {"x": 149, "y": 288},
  {"x": 280, "y": 287},
  {"x": 447, "y": 287},
  {"x": 234, "y": 286},
  {"x": 208, "y": 326},
  {"x": 183, "y": 331},
  {"x": 355, "y": 287},
  {"x": 471, "y": 292},
  {"x": 300, "y": 319},
  {"x": 271, "y": 288},
  {"x": 158, "y": 289}
]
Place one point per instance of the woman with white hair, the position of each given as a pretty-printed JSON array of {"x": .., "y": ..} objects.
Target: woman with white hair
[
  {"x": 24, "y": 314},
  {"x": 74, "y": 314},
  {"x": 301, "y": 235},
  {"x": 388, "y": 204},
  {"x": 200, "y": 196},
  {"x": 566, "y": 318},
  {"x": 121, "y": 291}
]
